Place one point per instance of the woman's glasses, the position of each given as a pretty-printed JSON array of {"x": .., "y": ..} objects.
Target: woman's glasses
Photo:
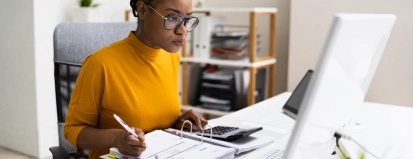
[{"x": 172, "y": 22}]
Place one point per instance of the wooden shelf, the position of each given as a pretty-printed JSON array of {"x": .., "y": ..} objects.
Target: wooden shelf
[
  {"x": 229, "y": 62},
  {"x": 204, "y": 111},
  {"x": 253, "y": 64}
]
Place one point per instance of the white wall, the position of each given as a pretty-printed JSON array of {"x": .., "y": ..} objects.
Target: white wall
[
  {"x": 310, "y": 21},
  {"x": 18, "y": 122},
  {"x": 28, "y": 119},
  {"x": 47, "y": 14}
]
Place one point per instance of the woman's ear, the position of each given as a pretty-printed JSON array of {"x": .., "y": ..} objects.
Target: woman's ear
[{"x": 140, "y": 7}]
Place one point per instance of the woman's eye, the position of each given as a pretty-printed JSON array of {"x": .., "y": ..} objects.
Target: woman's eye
[{"x": 173, "y": 18}]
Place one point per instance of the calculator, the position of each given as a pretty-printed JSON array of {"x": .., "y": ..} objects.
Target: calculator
[{"x": 228, "y": 133}]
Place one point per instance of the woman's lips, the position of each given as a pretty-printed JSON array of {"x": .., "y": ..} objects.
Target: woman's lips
[{"x": 178, "y": 42}]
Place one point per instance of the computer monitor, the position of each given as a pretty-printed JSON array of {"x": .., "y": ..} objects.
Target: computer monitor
[
  {"x": 340, "y": 81},
  {"x": 292, "y": 105}
]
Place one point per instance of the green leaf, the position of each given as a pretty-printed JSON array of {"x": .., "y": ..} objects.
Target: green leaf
[
  {"x": 85, "y": 3},
  {"x": 96, "y": 5}
]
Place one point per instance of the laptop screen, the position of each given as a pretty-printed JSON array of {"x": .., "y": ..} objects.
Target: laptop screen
[{"x": 292, "y": 106}]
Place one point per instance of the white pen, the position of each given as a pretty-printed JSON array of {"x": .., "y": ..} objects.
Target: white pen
[{"x": 121, "y": 122}]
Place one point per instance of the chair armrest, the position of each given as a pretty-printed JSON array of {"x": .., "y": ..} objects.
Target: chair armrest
[{"x": 59, "y": 153}]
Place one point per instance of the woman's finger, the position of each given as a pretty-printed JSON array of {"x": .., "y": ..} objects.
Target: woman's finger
[
  {"x": 197, "y": 118},
  {"x": 140, "y": 133}
]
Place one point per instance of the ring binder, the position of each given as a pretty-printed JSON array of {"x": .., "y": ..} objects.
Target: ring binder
[
  {"x": 182, "y": 128},
  {"x": 202, "y": 134}
]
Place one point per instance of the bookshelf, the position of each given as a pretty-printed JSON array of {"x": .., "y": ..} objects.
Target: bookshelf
[{"x": 253, "y": 64}]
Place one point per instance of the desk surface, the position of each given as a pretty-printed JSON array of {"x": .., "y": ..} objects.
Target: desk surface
[{"x": 386, "y": 130}]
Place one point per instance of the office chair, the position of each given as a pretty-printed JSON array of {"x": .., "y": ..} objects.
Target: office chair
[{"x": 72, "y": 43}]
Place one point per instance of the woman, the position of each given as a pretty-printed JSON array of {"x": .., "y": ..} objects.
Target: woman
[{"x": 135, "y": 78}]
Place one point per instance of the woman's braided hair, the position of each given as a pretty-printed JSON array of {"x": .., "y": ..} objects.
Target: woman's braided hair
[{"x": 133, "y": 5}]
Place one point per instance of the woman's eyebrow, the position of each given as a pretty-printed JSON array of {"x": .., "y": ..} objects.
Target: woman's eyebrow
[
  {"x": 174, "y": 10},
  {"x": 177, "y": 11}
]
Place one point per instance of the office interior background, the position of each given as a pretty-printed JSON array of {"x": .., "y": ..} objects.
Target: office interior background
[{"x": 27, "y": 99}]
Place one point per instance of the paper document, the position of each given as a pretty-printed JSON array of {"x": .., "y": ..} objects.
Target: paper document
[
  {"x": 251, "y": 142},
  {"x": 160, "y": 145}
]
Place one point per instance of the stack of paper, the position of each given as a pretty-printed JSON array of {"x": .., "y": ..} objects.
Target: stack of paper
[
  {"x": 251, "y": 142},
  {"x": 160, "y": 145}
]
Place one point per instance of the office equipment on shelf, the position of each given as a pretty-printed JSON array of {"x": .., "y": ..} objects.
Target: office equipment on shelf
[
  {"x": 349, "y": 59},
  {"x": 244, "y": 144},
  {"x": 231, "y": 42},
  {"x": 251, "y": 62},
  {"x": 225, "y": 88},
  {"x": 216, "y": 88},
  {"x": 161, "y": 145},
  {"x": 292, "y": 105}
]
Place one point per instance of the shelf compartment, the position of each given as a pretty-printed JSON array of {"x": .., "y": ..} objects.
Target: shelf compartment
[{"x": 229, "y": 62}]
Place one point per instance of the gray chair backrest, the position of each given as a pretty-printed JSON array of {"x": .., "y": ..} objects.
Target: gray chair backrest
[{"x": 72, "y": 43}]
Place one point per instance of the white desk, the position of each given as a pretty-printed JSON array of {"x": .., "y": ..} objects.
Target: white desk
[{"x": 388, "y": 130}]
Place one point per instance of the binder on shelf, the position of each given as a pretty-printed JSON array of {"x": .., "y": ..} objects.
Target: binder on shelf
[
  {"x": 202, "y": 35},
  {"x": 161, "y": 144}
]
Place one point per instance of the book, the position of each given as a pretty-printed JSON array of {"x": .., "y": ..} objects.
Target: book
[{"x": 161, "y": 144}]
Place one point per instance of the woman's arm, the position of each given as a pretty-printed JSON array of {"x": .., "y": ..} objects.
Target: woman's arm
[{"x": 94, "y": 139}]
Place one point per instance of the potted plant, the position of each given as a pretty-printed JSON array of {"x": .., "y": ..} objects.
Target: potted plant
[{"x": 86, "y": 11}]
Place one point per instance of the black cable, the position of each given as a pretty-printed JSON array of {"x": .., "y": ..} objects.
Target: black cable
[{"x": 338, "y": 137}]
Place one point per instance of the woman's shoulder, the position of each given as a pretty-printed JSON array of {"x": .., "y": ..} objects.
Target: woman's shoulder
[
  {"x": 120, "y": 45},
  {"x": 113, "y": 50},
  {"x": 110, "y": 52}
]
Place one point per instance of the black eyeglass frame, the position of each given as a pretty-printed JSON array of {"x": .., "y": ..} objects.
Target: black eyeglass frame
[{"x": 184, "y": 19}]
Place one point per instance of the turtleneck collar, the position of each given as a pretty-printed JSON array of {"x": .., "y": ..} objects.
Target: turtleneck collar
[{"x": 142, "y": 48}]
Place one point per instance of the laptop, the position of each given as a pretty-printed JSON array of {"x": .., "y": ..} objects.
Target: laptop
[
  {"x": 292, "y": 105},
  {"x": 228, "y": 133}
]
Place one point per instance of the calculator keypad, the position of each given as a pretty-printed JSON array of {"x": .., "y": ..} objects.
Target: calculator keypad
[{"x": 220, "y": 130}]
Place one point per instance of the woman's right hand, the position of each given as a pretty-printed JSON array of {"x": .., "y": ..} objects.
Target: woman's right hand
[{"x": 127, "y": 144}]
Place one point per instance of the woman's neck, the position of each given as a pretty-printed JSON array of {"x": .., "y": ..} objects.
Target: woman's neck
[{"x": 141, "y": 36}]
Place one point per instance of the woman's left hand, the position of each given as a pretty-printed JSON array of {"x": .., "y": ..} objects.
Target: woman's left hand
[{"x": 192, "y": 116}]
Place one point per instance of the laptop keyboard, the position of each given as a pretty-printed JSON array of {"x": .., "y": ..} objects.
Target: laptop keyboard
[{"x": 220, "y": 130}]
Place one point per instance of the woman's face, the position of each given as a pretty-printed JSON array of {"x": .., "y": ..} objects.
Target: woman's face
[{"x": 156, "y": 35}]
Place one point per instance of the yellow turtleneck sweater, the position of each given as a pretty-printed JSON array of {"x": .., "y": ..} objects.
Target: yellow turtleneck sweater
[{"x": 127, "y": 78}]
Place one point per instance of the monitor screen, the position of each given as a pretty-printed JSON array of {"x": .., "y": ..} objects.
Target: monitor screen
[{"x": 337, "y": 88}]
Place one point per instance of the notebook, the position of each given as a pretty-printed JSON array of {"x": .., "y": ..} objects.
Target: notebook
[{"x": 161, "y": 144}]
